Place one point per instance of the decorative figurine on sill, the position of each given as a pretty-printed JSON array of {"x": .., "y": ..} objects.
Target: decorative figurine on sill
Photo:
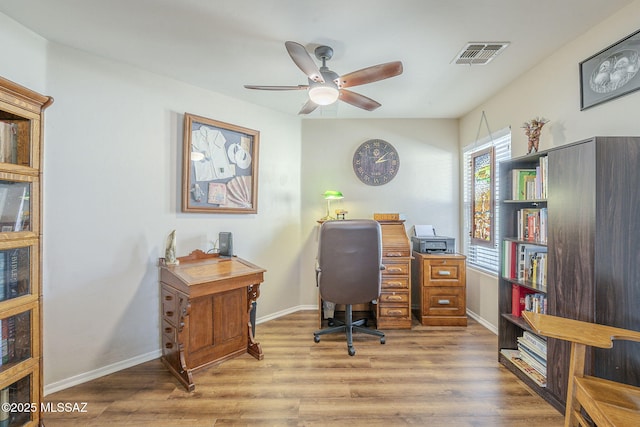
[
  {"x": 170, "y": 251},
  {"x": 532, "y": 129}
]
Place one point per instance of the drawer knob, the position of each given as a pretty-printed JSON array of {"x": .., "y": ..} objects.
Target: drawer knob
[
  {"x": 169, "y": 313},
  {"x": 444, "y": 301},
  {"x": 444, "y": 273},
  {"x": 167, "y": 330},
  {"x": 169, "y": 345}
]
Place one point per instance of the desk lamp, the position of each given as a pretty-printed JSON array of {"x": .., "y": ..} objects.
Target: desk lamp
[{"x": 330, "y": 195}]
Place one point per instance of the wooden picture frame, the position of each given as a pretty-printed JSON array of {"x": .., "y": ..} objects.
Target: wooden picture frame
[
  {"x": 220, "y": 167},
  {"x": 611, "y": 73},
  {"x": 482, "y": 197}
]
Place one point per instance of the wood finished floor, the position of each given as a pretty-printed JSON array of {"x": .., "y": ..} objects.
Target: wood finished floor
[{"x": 427, "y": 376}]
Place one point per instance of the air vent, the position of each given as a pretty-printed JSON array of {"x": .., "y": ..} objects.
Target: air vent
[{"x": 479, "y": 53}]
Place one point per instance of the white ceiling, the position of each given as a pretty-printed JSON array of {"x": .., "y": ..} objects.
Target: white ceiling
[{"x": 222, "y": 45}]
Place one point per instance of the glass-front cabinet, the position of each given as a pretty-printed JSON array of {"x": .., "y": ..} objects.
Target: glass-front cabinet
[{"x": 20, "y": 261}]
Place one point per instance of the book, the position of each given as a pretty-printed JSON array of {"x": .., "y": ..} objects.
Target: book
[
  {"x": 3, "y": 276},
  {"x": 514, "y": 357},
  {"x": 530, "y": 360},
  {"x": 12, "y": 269},
  {"x": 520, "y": 179},
  {"x": 535, "y": 352},
  {"x": 534, "y": 340},
  {"x": 518, "y": 294}
]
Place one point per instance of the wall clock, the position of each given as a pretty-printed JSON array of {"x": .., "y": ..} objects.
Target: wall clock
[{"x": 376, "y": 162}]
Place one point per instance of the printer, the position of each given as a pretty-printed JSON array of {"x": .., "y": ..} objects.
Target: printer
[{"x": 426, "y": 241}]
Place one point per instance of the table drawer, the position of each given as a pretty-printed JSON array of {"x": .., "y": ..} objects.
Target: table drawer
[
  {"x": 400, "y": 268},
  {"x": 394, "y": 297},
  {"x": 170, "y": 305},
  {"x": 393, "y": 282},
  {"x": 391, "y": 311},
  {"x": 169, "y": 331},
  {"x": 444, "y": 301}
]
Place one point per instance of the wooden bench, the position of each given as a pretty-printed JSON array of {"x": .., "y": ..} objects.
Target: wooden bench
[{"x": 608, "y": 403}]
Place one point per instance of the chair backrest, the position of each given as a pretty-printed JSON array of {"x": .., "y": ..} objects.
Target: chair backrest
[{"x": 350, "y": 261}]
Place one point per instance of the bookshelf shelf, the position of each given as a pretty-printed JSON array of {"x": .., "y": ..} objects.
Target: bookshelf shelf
[
  {"x": 20, "y": 242},
  {"x": 587, "y": 253}
]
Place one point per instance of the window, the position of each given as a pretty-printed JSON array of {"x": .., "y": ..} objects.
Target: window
[{"x": 480, "y": 255}]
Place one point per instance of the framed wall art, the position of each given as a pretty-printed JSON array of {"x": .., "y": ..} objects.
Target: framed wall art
[
  {"x": 482, "y": 183},
  {"x": 610, "y": 73},
  {"x": 220, "y": 167}
]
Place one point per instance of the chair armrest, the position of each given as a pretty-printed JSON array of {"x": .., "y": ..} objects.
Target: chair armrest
[{"x": 577, "y": 331}]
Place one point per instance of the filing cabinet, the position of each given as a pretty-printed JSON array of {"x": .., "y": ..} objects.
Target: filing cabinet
[{"x": 439, "y": 288}]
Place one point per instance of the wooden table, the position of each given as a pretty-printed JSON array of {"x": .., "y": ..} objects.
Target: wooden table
[{"x": 206, "y": 307}]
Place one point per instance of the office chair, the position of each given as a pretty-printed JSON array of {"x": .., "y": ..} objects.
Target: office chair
[
  {"x": 349, "y": 272},
  {"x": 608, "y": 403}
]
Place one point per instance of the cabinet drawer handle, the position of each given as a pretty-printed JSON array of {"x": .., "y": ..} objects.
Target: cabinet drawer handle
[
  {"x": 394, "y": 283},
  {"x": 394, "y": 269},
  {"x": 169, "y": 313},
  {"x": 168, "y": 297},
  {"x": 169, "y": 345},
  {"x": 444, "y": 273},
  {"x": 444, "y": 301},
  {"x": 394, "y": 298},
  {"x": 167, "y": 330},
  {"x": 394, "y": 312}
]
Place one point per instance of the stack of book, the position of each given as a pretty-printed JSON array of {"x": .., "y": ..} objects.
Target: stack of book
[
  {"x": 530, "y": 357},
  {"x": 533, "y": 350},
  {"x": 514, "y": 357}
]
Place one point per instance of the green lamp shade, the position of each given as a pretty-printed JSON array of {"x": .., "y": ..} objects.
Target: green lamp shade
[{"x": 332, "y": 195}]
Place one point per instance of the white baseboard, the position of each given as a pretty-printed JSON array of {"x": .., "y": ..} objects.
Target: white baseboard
[
  {"x": 115, "y": 367},
  {"x": 482, "y": 321},
  {"x": 100, "y": 372}
]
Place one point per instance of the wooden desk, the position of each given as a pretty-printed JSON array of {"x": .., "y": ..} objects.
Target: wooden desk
[
  {"x": 206, "y": 305},
  {"x": 394, "y": 304}
]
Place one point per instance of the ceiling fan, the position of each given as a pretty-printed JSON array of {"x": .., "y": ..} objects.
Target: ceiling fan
[{"x": 325, "y": 86}]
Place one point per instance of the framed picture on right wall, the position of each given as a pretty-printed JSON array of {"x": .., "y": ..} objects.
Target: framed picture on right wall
[{"x": 610, "y": 73}]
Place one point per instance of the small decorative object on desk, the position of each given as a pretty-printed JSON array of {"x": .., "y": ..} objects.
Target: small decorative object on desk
[
  {"x": 170, "y": 251},
  {"x": 341, "y": 213},
  {"x": 532, "y": 129}
]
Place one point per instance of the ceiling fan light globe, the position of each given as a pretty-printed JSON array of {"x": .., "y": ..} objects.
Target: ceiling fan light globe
[{"x": 323, "y": 95}]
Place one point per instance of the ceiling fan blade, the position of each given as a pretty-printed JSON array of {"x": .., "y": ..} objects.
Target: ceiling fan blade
[
  {"x": 299, "y": 87},
  {"x": 370, "y": 74},
  {"x": 303, "y": 60},
  {"x": 308, "y": 107},
  {"x": 358, "y": 100}
]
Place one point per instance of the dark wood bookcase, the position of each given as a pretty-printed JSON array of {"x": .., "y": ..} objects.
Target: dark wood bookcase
[{"x": 593, "y": 248}]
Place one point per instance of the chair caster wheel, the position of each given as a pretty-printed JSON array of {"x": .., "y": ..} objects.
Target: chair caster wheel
[
  {"x": 352, "y": 351},
  {"x": 383, "y": 340},
  {"x": 316, "y": 338}
]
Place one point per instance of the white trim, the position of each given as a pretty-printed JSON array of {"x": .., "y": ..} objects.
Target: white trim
[
  {"x": 100, "y": 372},
  {"x": 482, "y": 321}
]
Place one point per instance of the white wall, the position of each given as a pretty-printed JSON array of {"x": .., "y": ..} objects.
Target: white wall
[
  {"x": 552, "y": 90},
  {"x": 425, "y": 188},
  {"x": 112, "y": 174}
]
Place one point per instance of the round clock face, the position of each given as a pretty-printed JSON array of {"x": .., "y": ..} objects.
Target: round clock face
[{"x": 376, "y": 162}]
